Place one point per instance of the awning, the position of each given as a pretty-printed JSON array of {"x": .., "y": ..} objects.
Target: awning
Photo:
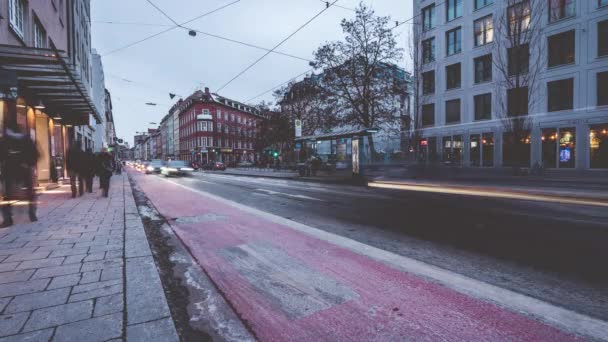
[
  {"x": 45, "y": 74},
  {"x": 337, "y": 135}
]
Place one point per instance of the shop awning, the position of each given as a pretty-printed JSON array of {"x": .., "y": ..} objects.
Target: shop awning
[
  {"x": 338, "y": 135},
  {"x": 45, "y": 74}
]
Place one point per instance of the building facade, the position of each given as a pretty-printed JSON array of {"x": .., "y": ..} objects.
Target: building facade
[
  {"x": 99, "y": 99},
  {"x": 472, "y": 114}
]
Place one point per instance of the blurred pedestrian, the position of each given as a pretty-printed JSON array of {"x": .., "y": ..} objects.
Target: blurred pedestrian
[
  {"x": 105, "y": 169},
  {"x": 74, "y": 165},
  {"x": 18, "y": 157},
  {"x": 88, "y": 169}
]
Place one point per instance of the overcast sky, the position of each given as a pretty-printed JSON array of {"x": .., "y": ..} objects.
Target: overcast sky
[{"x": 175, "y": 62}]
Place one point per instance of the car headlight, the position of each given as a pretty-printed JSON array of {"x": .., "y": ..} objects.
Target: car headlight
[
  {"x": 150, "y": 168},
  {"x": 172, "y": 169},
  {"x": 187, "y": 169}
]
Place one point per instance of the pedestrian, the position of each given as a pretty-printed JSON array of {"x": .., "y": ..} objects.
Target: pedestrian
[
  {"x": 18, "y": 157},
  {"x": 74, "y": 165},
  {"x": 88, "y": 169},
  {"x": 105, "y": 169}
]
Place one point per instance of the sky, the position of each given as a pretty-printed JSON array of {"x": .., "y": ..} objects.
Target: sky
[{"x": 175, "y": 62}]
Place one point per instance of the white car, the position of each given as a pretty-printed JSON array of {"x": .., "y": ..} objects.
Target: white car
[{"x": 176, "y": 168}]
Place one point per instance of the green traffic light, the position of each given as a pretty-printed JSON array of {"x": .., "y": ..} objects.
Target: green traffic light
[{"x": 276, "y": 154}]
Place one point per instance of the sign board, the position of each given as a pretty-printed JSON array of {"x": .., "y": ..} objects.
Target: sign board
[
  {"x": 204, "y": 117},
  {"x": 298, "y": 146},
  {"x": 298, "y": 128}
]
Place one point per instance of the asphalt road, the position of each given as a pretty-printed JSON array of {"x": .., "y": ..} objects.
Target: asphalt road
[{"x": 553, "y": 252}]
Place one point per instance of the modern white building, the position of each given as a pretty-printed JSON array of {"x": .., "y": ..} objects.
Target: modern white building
[
  {"x": 99, "y": 100},
  {"x": 467, "y": 57}
]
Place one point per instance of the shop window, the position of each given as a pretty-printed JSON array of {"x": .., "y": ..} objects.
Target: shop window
[
  {"x": 453, "y": 9},
  {"x": 428, "y": 17},
  {"x": 482, "y": 3},
  {"x": 428, "y": 50},
  {"x": 567, "y": 147},
  {"x": 483, "y": 68},
  {"x": 487, "y": 143},
  {"x": 452, "y": 75},
  {"x": 452, "y": 150},
  {"x": 428, "y": 82},
  {"x": 560, "y": 95},
  {"x": 432, "y": 147},
  {"x": 602, "y": 88},
  {"x": 558, "y": 147},
  {"x": 483, "y": 106},
  {"x": 602, "y": 38},
  {"x": 561, "y": 48},
  {"x": 452, "y": 111},
  {"x": 453, "y": 41},
  {"x": 475, "y": 150},
  {"x": 516, "y": 148},
  {"x": 549, "y": 147},
  {"x": 598, "y": 146},
  {"x": 483, "y": 30},
  {"x": 428, "y": 115}
]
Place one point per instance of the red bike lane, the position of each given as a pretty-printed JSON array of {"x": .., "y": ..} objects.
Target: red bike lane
[{"x": 291, "y": 286}]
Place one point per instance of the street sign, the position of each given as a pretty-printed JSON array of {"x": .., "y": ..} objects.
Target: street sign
[
  {"x": 298, "y": 146},
  {"x": 298, "y": 128}
]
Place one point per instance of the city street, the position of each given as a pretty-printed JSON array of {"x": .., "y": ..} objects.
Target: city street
[{"x": 310, "y": 261}]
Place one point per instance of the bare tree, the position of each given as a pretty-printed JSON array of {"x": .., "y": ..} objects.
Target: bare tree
[
  {"x": 359, "y": 75},
  {"x": 518, "y": 58}
]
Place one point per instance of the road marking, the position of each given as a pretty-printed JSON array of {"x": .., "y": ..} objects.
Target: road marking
[
  {"x": 483, "y": 193},
  {"x": 554, "y": 315},
  {"x": 271, "y": 192}
]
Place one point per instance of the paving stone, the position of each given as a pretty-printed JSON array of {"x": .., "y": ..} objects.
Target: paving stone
[
  {"x": 90, "y": 277},
  {"x": 77, "y": 240},
  {"x": 55, "y": 248},
  {"x": 11, "y": 324},
  {"x": 4, "y": 302},
  {"x": 115, "y": 254},
  {"x": 12, "y": 245},
  {"x": 11, "y": 277},
  {"x": 8, "y": 266},
  {"x": 74, "y": 259},
  {"x": 42, "y": 243},
  {"x": 111, "y": 273},
  {"x": 100, "y": 292},
  {"x": 95, "y": 286},
  {"x": 56, "y": 271},
  {"x": 108, "y": 305},
  {"x": 160, "y": 331},
  {"x": 97, "y": 265},
  {"x": 38, "y": 300},
  {"x": 59, "y": 315},
  {"x": 11, "y": 251},
  {"x": 27, "y": 256},
  {"x": 91, "y": 330},
  {"x": 40, "y": 263},
  {"x": 23, "y": 287},
  {"x": 35, "y": 336},
  {"x": 145, "y": 297},
  {"x": 69, "y": 251},
  {"x": 64, "y": 281},
  {"x": 95, "y": 256}
]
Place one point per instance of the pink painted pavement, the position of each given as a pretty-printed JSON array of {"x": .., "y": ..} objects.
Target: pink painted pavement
[{"x": 377, "y": 303}]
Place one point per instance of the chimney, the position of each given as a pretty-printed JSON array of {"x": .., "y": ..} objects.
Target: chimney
[{"x": 207, "y": 90}]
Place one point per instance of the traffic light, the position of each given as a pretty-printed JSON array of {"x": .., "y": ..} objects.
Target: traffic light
[{"x": 275, "y": 154}]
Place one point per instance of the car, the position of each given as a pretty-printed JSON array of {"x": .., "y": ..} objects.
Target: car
[
  {"x": 218, "y": 166},
  {"x": 154, "y": 166},
  {"x": 245, "y": 164},
  {"x": 176, "y": 168}
]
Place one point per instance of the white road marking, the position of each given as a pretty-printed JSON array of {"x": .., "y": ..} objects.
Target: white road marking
[
  {"x": 271, "y": 192},
  {"x": 563, "y": 318}
]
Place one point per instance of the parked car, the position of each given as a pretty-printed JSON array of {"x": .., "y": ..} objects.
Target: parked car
[
  {"x": 155, "y": 166},
  {"x": 177, "y": 168},
  {"x": 218, "y": 166}
]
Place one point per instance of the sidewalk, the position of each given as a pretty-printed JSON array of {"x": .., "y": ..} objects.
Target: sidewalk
[{"x": 83, "y": 272}]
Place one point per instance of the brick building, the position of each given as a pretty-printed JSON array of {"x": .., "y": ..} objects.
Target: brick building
[{"x": 214, "y": 128}]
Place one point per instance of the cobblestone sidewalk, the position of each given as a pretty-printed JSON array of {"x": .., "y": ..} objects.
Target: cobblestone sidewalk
[{"x": 83, "y": 272}]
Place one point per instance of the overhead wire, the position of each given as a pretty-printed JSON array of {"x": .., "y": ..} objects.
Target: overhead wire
[{"x": 276, "y": 46}]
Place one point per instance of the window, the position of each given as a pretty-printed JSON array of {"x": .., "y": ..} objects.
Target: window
[
  {"x": 452, "y": 149},
  {"x": 602, "y": 88},
  {"x": 482, "y": 150},
  {"x": 598, "y": 143},
  {"x": 561, "y": 48},
  {"x": 453, "y": 9},
  {"x": 453, "y": 41},
  {"x": 519, "y": 17},
  {"x": 39, "y": 35},
  {"x": 452, "y": 76},
  {"x": 452, "y": 111},
  {"x": 484, "y": 31},
  {"x": 428, "y": 82},
  {"x": 517, "y": 101},
  {"x": 558, "y": 147},
  {"x": 567, "y": 146},
  {"x": 428, "y": 115},
  {"x": 16, "y": 10},
  {"x": 483, "y": 106},
  {"x": 549, "y": 147},
  {"x": 483, "y": 69},
  {"x": 428, "y": 50},
  {"x": 602, "y": 38},
  {"x": 482, "y": 3},
  {"x": 519, "y": 60},
  {"x": 428, "y": 17},
  {"x": 560, "y": 9},
  {"x": 602, "y": 3},
  {"x": 560, "y": 94}
]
